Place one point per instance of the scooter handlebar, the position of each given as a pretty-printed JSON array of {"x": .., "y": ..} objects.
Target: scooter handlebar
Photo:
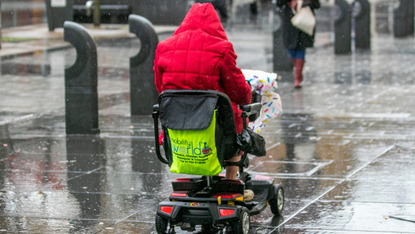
[{"x": 252, "y": 108}]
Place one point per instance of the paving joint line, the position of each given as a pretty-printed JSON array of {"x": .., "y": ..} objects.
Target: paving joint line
[
  {"x": 346, "y": 231},
  {"x": 121, "y": 220},
  {"x": 372, "y": 202},
  {"x": 86, "y": 173},
  {"x": 272, "y": 146},
  {"x": 318, "y": 167},
  {"x": 285, "y": 176}
]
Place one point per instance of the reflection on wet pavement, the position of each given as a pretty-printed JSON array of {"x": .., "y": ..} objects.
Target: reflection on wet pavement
[
  {"x": 21, "y": 69},
  {"x": 343, "y": 149}
]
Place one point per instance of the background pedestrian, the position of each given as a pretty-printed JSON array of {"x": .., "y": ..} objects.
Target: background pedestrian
[{"x": 295, "y": 40}]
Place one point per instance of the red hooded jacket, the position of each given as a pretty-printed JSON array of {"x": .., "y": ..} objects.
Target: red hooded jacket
[{"x": 199, "y": 56}]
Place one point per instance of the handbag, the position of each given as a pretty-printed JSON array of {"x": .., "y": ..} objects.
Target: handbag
[{"x": 304, "y": 19}]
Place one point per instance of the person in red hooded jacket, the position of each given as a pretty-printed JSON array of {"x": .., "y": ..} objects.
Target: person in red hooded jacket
[{"x": 199, "y": 56}]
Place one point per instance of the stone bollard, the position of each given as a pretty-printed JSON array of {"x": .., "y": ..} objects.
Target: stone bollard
[
  {"x": 343, "y": 28},
  {"x": 142, "y": 88},
  {"x": 282, "y": 63},
  {"x": 0, "y": 28},
  {"x": 403, "y": 19},
  {"x": 58, "y": 11},
  {"x": 362, "y": 24},
  {"x": 81, "y": 82}
]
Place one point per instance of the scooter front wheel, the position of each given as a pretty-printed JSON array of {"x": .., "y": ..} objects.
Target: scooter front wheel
[{"x": 242, "y": 226}]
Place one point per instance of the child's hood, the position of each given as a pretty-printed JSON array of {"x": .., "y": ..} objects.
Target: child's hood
[{"x": 204, "y": 17}]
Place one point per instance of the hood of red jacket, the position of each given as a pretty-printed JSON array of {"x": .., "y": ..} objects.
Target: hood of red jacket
[{"x": 204, "y": 17}]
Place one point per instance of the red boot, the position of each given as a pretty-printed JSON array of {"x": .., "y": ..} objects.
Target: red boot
[{"x": 298, "y": 72}]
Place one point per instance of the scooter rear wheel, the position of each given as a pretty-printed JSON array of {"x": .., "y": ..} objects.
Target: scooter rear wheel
[
  {"x": 242, "y": 226},
  {"x": 277, "y": 203},
  {"x": 161, "y": 225}
]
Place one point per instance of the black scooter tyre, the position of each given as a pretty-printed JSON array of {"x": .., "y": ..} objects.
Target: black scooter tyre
[
  {"x": 242, "y": 226},
  {"x": 277, "y": 203},
  {"x": 161, "y": 225}
]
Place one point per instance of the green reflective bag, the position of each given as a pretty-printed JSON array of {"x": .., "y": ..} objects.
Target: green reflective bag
[{"x": 194, "y": 151}]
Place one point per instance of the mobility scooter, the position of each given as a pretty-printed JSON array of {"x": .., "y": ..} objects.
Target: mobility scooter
[{"x": 199, "y": 136}]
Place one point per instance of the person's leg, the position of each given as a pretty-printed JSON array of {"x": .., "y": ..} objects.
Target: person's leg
[
  {"x": 232, "y": 171},
  {"x": 291, "y": 54},
  {"x": 298, "y": 66}
]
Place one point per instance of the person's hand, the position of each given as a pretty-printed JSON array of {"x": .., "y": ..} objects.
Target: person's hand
[
  {"x": 293, "y": 4},
  {"x": 249, "y": 83}
]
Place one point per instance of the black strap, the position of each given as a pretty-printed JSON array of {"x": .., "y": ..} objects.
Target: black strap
[{"x": 230, "y": 164}]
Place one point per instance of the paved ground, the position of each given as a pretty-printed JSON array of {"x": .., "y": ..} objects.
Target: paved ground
[{"x": 343, "y": 148}]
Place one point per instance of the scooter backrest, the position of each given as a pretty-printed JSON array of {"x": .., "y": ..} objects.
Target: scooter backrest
[
  {"x": 186, "y": 111},
  {"x": 199, "y": 130}
]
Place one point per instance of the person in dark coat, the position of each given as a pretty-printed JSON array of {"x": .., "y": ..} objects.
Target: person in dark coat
[
  {"x": 295, "y": 40},
  {"x": 219, "y": 5}
]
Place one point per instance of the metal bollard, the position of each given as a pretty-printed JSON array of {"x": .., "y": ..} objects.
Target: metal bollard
[
  {"x": 362, "y": 25},
  {"x": 85, "y": 154},
  {"x": 343, "y": 28},
  {"x": 58, "y": 11},
  {"x": 403, "y": 19},
  {"x": 142, "y": 88},
  {"x": 0, "y": 28},
  {"x": 410, "y": 17},
  {"x": 282, "y": 63},
  {"x": 81, "y": 82}
]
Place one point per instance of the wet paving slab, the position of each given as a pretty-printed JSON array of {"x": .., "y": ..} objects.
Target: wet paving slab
[
  {"x": 100, "y": 184},
  {"x": 350, "y": 217},
  {"x": 329, "y": 175}
]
